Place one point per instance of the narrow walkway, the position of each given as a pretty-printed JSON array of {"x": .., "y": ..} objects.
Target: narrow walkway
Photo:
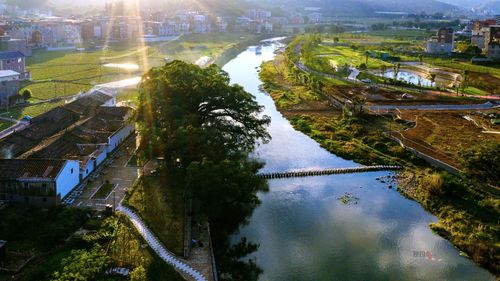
[
  {"x": 156, "y": 245},
  {"x": 324, "y": 172},
  {"x": 486, "y": 105}
]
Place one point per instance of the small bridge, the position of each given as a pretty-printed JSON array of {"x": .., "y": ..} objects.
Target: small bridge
[{"x": 324, "y": 172}]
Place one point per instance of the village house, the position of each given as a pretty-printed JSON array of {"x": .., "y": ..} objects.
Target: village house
[
  {"x": 315, "y": 17},
  {"x": 39, "y": 182},
  {"x": 82, "y": 133},
  {"x": 492, "y": 42},
  {"x": 479, "y": 28},
  {"x": 259, "y": 15},
  {"x": 8, "y": 44},
  {"x": 9, "y": 86},
  {"x": 91, "y": 142},
  {"x": 442, "y": 43},
  {"x": 15, "y": 61}
]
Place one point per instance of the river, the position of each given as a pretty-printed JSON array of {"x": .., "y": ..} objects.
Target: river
[{"x": 306, "y": 233}]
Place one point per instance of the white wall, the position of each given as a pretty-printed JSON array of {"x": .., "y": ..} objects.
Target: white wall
[
  {"x": 101, "y": 157},
  {"x": 117, "y": 138},
  {"x": 68, "y": 178},
  {"x": 88, "y": 169}
]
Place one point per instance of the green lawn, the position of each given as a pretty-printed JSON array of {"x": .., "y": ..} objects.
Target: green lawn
[
  {"x": 161, "y": 206},
  {"x": 325, "y": 58},
  {"x": 4, "y": 125},
  {"x": 34, "y": 110}
]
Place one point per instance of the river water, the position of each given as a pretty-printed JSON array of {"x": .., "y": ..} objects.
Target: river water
[{"x": 306, "y": 233}]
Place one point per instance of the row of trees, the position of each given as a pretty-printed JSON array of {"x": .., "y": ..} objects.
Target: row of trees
[{"x": 205, "y": 128}]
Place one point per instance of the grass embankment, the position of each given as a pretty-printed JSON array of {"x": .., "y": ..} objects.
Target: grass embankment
[
  {"x": 468, "y": 214},
  {"x": 162, "y": 208}
]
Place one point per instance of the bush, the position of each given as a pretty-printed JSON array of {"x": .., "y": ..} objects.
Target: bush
[
  {"x": 434, "y": 184},
  {"x": 26, "y": 94},
  {"x": 482, "y": 162}
]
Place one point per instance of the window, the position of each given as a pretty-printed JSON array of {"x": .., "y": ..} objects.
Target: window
[{"x": 72, "y": 170}]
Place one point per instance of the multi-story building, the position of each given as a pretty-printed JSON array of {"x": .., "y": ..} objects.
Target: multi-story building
[
  {"x": 442, "y": 43},
  {"x": 259, "y": 15},
  {"x": 492, "y": 42}
]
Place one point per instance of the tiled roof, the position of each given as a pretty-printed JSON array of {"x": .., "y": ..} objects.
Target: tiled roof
[{"x": 13, "y": 169}]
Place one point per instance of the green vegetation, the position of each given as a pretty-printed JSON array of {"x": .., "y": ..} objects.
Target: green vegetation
[
  {"x": 65, "y": 73},
  {"x": 482, "y": 162},
  {"x": 114, "y": 243},
  {"x": 104, "y": 191},
  {"x": 32, "y": 110},
  {"x": 205, "y": 128},
  {"x": 28, "y": 227},
  {"x": 379, "y": 50},
  {"x": 161, "y": 206},
  {"x": 5, "y": 124}
]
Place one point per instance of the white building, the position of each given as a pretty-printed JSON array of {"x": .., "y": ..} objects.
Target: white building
[{"x": 38, "y": 182}]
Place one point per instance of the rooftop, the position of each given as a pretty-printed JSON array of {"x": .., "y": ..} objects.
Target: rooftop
[
  {"x": 8, "y": 73},
  {"x": 13, "y": 169},
  {"x": 11, "y": 55}
]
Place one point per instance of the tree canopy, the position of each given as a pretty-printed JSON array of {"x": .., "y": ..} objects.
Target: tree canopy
[{"x": 192, "y": 113}]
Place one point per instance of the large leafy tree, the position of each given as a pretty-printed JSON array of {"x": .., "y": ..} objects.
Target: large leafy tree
[
  {"x": 228, "y": 195},
  {"x": 191, "y": 113}
]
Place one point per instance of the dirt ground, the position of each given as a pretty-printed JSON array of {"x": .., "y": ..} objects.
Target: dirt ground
[{"x": 448, "y": 132}]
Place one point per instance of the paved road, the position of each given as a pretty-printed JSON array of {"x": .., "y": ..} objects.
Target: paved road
[
  {"x": 158, "y": 247},
  {"x": 118, "y": 173}
]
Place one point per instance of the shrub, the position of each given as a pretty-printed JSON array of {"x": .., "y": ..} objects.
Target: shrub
[
  {"x": 26, "y": 94},
  {"x": 434, "y": 184}
]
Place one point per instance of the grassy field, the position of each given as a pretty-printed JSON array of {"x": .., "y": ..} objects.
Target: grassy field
[
  {"x": 337, "y": 56},
  {"x": 162, "y": 207},
  {"x": 79, "y": 71},
  {"x": 75, "y": 71},
  {"x": 34, "y": 110},
  {"x": 402, "y": 34}
]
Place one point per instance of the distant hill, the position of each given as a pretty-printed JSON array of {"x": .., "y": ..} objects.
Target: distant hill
[
  {"x": 492, "y": 7},
  {"x": 369, "y": 7},
  {"x": 466, "y": 3}
]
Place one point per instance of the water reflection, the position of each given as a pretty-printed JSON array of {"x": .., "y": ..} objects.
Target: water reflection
[
  {"x": 409, "y": 77},
  {"x": 306, "y": 233}
]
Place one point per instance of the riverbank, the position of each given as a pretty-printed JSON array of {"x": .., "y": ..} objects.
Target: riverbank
[{"x": 467, "y": 214}]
